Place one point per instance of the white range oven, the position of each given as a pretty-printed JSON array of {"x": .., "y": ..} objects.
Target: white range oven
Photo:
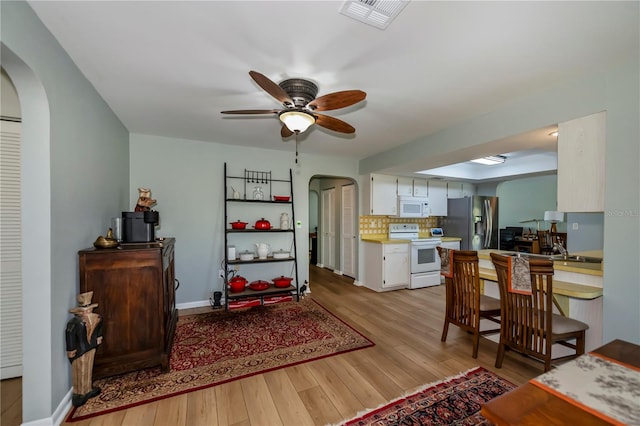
[{"x": 424, "y": 258}]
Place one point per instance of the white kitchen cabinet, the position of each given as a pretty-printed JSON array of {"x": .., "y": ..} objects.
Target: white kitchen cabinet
[
  {"x": 387, "y": 266},
  {"x": 437, "y": 198},
  {"x": 468, "y": 189},
  {"x": 453, "y": 245},
  {"x": 380, "y": 195},
  {"x": 454, "y": 189},
  {"x": 405, "y": 186},
  {"x": 581, "y": 150},
  {"x": 420, "y": 188},
  {"x": 460, "y": 189}
]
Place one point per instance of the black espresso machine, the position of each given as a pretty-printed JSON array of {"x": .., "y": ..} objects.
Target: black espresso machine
[{"x": 139, "y": 227}]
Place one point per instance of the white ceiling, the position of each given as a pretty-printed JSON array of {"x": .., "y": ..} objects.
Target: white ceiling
[{"x": 168, "y": 68}]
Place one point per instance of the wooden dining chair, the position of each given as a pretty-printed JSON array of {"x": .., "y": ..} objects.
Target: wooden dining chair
[
  {"x": 529, "y": 325},
  {"x": 465, "y": 305}
]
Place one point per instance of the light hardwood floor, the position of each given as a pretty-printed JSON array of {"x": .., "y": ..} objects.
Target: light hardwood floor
[{"x": 405, "y": 325}]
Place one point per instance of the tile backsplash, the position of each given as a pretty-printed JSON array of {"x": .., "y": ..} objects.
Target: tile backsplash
[{"x": 380, "y": 224}]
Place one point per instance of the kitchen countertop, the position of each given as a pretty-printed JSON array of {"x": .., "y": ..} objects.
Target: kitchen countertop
[
  {"x": 384, "y": 238},
  {"x": 579, "y": 267},
  {"x": 568, "y": 283}
]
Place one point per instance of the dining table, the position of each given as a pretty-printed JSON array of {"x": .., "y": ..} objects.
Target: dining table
[{"x": 554, "y": 398}]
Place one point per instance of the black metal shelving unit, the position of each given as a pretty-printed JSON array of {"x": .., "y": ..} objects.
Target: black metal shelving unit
[{"x": 270, "y": 295}]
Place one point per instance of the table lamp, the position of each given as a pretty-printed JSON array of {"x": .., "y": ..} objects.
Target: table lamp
[{"x": 553, "y": 217}]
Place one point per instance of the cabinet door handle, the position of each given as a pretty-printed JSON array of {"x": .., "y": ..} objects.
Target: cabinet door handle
[{"x": 177, "y": 283}]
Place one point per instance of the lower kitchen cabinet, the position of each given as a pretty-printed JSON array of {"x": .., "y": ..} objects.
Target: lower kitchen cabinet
[
  {"x": 453, "y": 245},
  {"x": 387, "y": 265},
  {"x": 134, "y": 287}
]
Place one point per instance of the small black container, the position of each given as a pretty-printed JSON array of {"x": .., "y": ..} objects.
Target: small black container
[{"x": 139, "y": 227}]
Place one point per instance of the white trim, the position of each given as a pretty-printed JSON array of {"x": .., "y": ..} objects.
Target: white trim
[
  {"x": 196, "y": 304},
  {"x": 337, "y": 272},
  {"x": 358, "y": 283},
  {"x": 58, "y": 416}
]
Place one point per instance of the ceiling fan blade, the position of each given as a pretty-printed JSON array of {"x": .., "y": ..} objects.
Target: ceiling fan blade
[
  {"x": 251, "y": 111},
  {"x": 334, "y": 124},
  {"x": 337, "y": 100},
  {"x": 271, "y": 88},
  {"x": 285, "y": 132}
]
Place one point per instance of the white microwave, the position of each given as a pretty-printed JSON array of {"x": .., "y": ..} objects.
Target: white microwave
[{"x": 412, "y": 206}]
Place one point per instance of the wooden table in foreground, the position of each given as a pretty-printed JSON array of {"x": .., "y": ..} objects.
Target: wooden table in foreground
[{"x": 530, "y": 405}]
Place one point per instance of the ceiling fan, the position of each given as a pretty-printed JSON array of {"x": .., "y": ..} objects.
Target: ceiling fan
[{"x": 298, "y": 98}]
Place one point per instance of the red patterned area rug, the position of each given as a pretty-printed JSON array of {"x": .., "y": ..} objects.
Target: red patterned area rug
[
  {"x": 453, "y": 401},
  {"x": 218, "y": 347}
]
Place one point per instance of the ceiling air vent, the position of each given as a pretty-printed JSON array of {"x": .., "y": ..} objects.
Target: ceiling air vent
[{"x": 377, "y": 13}]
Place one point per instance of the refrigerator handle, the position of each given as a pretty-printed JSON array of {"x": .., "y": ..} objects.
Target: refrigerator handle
[{"x": 488, "y": 223}]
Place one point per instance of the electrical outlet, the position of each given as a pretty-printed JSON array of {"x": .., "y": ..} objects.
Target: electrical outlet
[
  {"x": 575, "y": 226},
  {"x": 221, "y": 273}
]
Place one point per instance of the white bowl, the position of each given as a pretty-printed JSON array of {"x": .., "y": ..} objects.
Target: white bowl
[
  {"x": 280, "y": 254},
  {"x": 246, "y": 256}
]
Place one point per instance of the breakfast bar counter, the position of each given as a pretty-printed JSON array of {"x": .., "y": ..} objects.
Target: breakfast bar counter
[{"x": 577, "y": 291}]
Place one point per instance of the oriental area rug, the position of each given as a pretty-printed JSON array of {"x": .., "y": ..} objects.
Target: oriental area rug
[
  {"x": 218, "y": 347},
  {"x": 453, "y": 401}
]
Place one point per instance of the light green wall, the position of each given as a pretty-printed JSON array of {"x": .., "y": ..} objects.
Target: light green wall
[
  {"x": 528, "y": 198},
  {"x": 75, "y": 166},
  {"x": 186, "y": 177}
]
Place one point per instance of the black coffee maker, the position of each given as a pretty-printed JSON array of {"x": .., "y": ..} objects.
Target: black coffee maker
[{"x": 139, "y": 227}]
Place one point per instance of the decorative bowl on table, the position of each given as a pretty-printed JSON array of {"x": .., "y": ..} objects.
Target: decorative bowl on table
[{"x": 103, "y": 243}]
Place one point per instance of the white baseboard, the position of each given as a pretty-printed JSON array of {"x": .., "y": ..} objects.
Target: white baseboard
[
  {"x": 358, "y": 283},
  {"x": 337, "y": 272},
  {"x": 58, "y": 415},
  {"x": 196, "y": 304},
  {"x": 11, "y": 372}
]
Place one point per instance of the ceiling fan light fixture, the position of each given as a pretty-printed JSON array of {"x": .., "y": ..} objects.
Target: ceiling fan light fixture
[
  {"x": 297, "y": 121},
  {"x": 491, "y": 160}
]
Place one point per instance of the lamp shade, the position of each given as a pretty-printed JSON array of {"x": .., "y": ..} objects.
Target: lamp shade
[
  {"x": 297, "y": 121},
  {"x": 553, "y": 216}
]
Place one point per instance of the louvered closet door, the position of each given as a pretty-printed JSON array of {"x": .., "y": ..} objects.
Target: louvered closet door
[
  {"x": 10, "y": 252},
  {"x": 348, "y": 230}
]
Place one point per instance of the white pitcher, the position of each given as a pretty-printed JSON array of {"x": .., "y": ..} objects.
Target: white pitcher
[{"x": 263, "y": 250}]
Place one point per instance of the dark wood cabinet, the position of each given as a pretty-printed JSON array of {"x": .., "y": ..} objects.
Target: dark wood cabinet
[{"x": 134, "y": 286}]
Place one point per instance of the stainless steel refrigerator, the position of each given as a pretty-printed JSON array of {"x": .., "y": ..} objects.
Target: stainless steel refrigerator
[{"x": 475, "y": 220}]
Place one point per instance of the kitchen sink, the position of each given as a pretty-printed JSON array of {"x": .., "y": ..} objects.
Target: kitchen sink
[
  {"x": 561, "y": 257},
  {"x": 575, "y": 258}
]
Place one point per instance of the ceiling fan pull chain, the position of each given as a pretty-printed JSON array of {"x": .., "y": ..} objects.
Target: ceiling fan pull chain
[{"x": 297, "y": 147}]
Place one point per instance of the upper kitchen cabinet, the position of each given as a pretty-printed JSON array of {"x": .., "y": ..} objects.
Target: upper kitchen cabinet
[
  {"x": 380, "y": 194},
  {"x": 581, "y": 148},
  {"x": 420, "y": 188},
  {"x": 405, "y": 186},
  {"x": 437, "y": 198},
  {"x": 460, "y": 189}
]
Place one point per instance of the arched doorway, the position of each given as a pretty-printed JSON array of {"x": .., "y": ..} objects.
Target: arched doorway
[
  {"x": 36, "y": 236},
  {"x": 337, "y": 222}
]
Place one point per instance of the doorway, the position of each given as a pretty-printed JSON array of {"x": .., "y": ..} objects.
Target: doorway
[{"x": 336, "y": 216}]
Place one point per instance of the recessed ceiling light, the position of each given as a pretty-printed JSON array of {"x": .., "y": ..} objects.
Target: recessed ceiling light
[
  {"x": 491, "y": 160},
  {"x": 553, "y": 133}
]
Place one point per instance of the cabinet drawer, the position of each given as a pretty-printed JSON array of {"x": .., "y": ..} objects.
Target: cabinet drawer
[{"x": 396, "y": 248}]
